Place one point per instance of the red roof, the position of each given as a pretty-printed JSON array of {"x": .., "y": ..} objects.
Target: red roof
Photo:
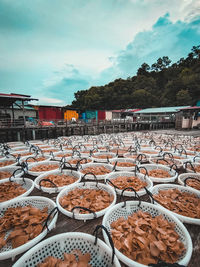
[
  {"x": 16, "y": 96},
  {"x": 188, "y": 108}
]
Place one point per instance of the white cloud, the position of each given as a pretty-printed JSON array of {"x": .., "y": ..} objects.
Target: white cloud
[{"x": 48, "y": 101}]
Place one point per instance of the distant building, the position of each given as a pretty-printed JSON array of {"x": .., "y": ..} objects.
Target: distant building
[
  {"x": 15, "y": 110},
  {"x": 162, "y": 114},
  {"x": 188, "y": 118}
]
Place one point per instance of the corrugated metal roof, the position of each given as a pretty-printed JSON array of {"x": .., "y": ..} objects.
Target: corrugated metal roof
[
  {"x": 160, "y": 110},
  {"x": 16, "y": 96}
]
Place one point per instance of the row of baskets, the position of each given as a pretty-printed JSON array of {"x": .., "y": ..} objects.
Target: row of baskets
[
  {"x": 54, "y": 181},
  {"x": 101, "y": 254}
]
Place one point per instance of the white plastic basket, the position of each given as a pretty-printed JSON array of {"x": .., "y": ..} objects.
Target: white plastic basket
[
  {"x": 12, "y": 170},
  {"x": 104, "y": 160},
  {"x": 47, "y": 162},
  {"x": 99, "y": 177},
  {"x": 19, "y": 149},
  {"x": 120, "y": 150},
  {"x": 26, "y": 183},
  {"x": 148, "y": 151},
  {"x": 131, "y": 207},
  {"x": 155, "y": 190},
  {"x": 83, "y": 160},
  {"x": 56, "y": 246},
  {"x": 55, "y": 189},
  {"x": 14, "y": 162},
  {"x": 194, "y": 165},
  {"x": 26, "y": 158},
  {"x": 172, "y": 173},
  {"x": 121, "y": 168},
  {"x": 39, "y": 202},
  {"x": 86, "y": 185},
  {"x": 59, "y": 155},
  {"x": 155, "y": 159},
  {"x": 141, "y": 192},
  {"x": 182, "y": 177}
]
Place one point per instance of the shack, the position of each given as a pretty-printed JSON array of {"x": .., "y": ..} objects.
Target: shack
[
  {"x": 16, "y": 111},
  {"x": 161, "y": 114},
  {"x": 188, "y": 118}
]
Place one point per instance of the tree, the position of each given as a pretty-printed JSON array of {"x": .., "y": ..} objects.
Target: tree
[
  {"x": 183, "y": 98},
  {"x": 161, "y": 64},
  {"x": 166, "y": 85},
  {"x": 143, "y": 70}
]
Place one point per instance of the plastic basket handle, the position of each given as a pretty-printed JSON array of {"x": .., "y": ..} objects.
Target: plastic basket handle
[
  {"x": 49, "y": 216},
  {"x": 11, "y": 155},
  {"x": 27, "y": 143},
  {"x": 89, "y": 173},
  {"x": 26, "y": 161},
  {"x": 168, "y": 154},
  {"x": 176, "y": 147},
  {"x": 195, "y": 158},
  {"x": 47, "y": 180},
  {"x": 13, "y": 175},
  {"x": 168, "y": 143},
  {"x": 109, "y": 238},
  {"x": 157, "y": 161},
  {"x": 114, "y": 167},
  {"x": 136, "y": 196},
  {"x": 63, "y": 166},
  {"x": 108, "y": 161},
  {"x": 150, "y": 195},
  {"x": 7, "y": 154},
  {"x": 116, "y": 187},
  {"x": 152, "y": 142},
  {"x": 52, "y": 155},
  {"x": 139, "y": 168},
  {"x": 76, "y": 152},
  {"x": 83, "y": 208},
  {"x": 33, "y": 148},
  {"x": 107, "y": 148},
  {"x": 79, "y": 162},
  {"x": 190, "y": 178},
  {"x": 24, "y": 166},
  {"x": 76, "y": 146},
  {"x": 141, "y": 157},
  {"x": 161, "y": 150},
  {"x": 191, "y": 165},
  {"x": 183, "y": 150},
  {"x": 174, "y": 164},
  {"x": 130, "y": 148}
]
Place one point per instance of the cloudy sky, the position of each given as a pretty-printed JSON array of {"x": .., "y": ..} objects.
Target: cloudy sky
[{"x": 50, "y": 49}]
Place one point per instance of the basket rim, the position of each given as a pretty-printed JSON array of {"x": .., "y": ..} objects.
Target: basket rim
[
  {"x": 41, "y": 163},
  {"x": 28, "y": 191},
  {"x": 84, "y": 185},
  {"x": 13, "y": 168},
  {"x": 179, "y": 216},
  {"x": 183, "y": 176},
  {"x": 127, "y": 193},
  {"x": 53, "y": 189},
  {"x": 127, "y": 260}
]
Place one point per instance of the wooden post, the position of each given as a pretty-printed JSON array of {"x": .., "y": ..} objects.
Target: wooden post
[{"x": 13, "y": 116}]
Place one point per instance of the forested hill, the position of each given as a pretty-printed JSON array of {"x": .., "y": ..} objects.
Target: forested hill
[{"x": 162, "y": 84}]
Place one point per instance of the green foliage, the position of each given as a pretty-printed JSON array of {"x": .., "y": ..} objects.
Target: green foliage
[
  {"x": 183, "y": 98},
  {"x": 161, "y": 85}
]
